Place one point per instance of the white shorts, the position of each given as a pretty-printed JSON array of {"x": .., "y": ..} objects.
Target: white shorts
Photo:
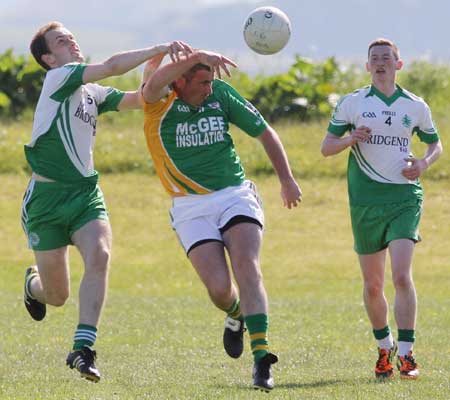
[{"x": 204, "y": 217}]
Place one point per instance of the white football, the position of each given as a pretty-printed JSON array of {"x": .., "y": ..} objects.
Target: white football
[{"x": 267, "y": 30}]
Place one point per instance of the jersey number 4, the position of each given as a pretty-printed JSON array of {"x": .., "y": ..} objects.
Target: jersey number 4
[{"x": 388, "y": 121}]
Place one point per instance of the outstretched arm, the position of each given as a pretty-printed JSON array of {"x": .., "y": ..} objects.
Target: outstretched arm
[
  {"x": 121, "y": 63},
  {"x": 290, "y": 191},
  {"x": 156, "y": 86},
  {"x": 133, "y": 100}
]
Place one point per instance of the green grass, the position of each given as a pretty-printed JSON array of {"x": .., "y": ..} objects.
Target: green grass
[
  {"x": 120, "y": 147},
  {"x": 160, "y": 337}
]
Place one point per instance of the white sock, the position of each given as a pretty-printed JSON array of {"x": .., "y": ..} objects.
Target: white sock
[
  {"x": 404, "y": 348},
  {"x": 387, "y": 342}
]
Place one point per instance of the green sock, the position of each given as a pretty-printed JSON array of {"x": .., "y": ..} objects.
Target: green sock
[
  {"x": 381, "y": 333},
  {"x": 235, "y": 310},
  {"x": 406, "y": 339},
  {"x": 384, "y": 337},
  {"x": 406, "y": 335},
  {"x": 85, "y": 335},
  {"x": 258, "y": 326}
]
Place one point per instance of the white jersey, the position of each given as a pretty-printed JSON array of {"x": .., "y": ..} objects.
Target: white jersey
[
  {"x": 65, "y": 122},
  {"x": 393, "y": 121}
]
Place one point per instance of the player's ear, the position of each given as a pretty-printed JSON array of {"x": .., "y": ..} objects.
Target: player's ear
[
  {"x": 367, "y": 67},
  {"x": 180, "y": 83},
  {"x": 399, "y": 64},
  {"x": 49, "y": 59}
]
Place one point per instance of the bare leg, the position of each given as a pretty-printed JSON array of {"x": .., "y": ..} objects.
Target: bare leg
[
  {"x": 373, "y": 269},
  {"x": 243, "y": 242},
  {"x": 93, "y": 240},
  {"x": 405, "y": 307},
  {"x": 53, "y": 284},
  {"x": 209, "y": 261}
]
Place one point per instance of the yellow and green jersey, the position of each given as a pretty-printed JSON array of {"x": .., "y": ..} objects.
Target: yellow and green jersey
[
  {"x": 192, "y": 147},
  {"x": 374, "y": 167},
  {"x": 65, "y": 123}
]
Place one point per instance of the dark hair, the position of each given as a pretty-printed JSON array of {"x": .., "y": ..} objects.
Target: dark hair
[
  {"x": 38, "y": 45},
  {"x": 197, "y": 67},
  {"x": 384, "y": 42}
]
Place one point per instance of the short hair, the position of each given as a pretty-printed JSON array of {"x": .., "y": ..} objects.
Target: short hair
[
  {"x": 197, "y": 67},
  {"x": 38, "y": 45},
  {"x": 384, "y": 42}
]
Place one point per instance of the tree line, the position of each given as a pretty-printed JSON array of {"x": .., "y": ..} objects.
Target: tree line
[{"x": 308, "y": 91}]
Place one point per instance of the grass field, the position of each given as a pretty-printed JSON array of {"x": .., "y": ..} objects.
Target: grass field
[{"x": 160, "y": 338}]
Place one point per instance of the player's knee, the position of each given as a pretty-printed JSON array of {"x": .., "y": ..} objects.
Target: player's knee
[
  {"x": 402, "y": 281},
  {"x": 373, "y": 290},
  {"x": 57, "y": 298},
  {"x": 218, "y": 292},
  {"x": 99, "y": 261}
]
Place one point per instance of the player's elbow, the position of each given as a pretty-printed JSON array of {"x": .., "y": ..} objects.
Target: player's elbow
[
  {"x": 112, "y": 67},
  {"x": 150, "y": 93},
  {"x": 325, "y": 150}
]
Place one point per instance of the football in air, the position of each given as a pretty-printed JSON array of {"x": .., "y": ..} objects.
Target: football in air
[{"x": 267, "y": 30}]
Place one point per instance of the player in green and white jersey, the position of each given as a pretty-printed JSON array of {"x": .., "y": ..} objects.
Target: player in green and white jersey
[
  {"x": 187, "y": 125},
  {"x": 385, "y": 194},
  {"x": 63, "y": 204}
]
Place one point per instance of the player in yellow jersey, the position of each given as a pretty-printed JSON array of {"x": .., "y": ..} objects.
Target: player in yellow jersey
[
  {"x": 215, "y": 208},
  {"x": 385, "y": 194}
]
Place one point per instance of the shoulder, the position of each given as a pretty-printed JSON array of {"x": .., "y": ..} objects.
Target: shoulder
[
  {"x": 411, "y": 96},
  {"x": 416, "y": 103},
  {"x": 162, "y": 105},
  {"x": 67, "y": 75},
  {"x": 355, "y": 96},
  {"x": 220, "y": 86},
  {"x": 65, "y": 70}
]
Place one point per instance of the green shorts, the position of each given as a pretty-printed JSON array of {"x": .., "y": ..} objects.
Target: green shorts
[
  {"x": 375, "y": 226},
  {"x": 53, "y": 211}
]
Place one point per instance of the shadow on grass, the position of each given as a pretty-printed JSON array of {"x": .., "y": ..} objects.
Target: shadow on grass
[
  {"x": 316, "y": 384},
  {"x": 310, "y": 385},
  {"x": 323, "y": 383}
]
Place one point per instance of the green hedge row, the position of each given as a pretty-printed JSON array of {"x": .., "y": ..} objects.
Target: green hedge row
[{"x": 308, "y": 91}]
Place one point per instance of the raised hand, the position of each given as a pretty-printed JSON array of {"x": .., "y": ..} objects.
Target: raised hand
[
  {"x": 177, "y": 49},
  {"x": 151, "y": 66},
  {"x": 216, "y": 61}
]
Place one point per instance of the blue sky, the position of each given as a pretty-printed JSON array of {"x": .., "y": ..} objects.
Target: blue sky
[{"x": 320, "y": 28}]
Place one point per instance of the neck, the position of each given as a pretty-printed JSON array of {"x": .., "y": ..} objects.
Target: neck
[{"x": 387, "y": 88}]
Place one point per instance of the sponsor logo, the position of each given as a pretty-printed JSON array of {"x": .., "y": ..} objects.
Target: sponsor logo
[
  {"x": 205, "y": 124},
  {"x": 215, "y": 105},
  {"x": 389, "y": 113},
  {"x": 33, "y": 239},
  {"x": 369, "y": 114},
  {"x": 183, "y": 108},
  {"x": 206, "y": 131},
  {"x": 406, "y": 121},
  {"x": 389, "y": 140},
  {"x": 87, "y": 118},
  {"x": 250, "y": 107}
]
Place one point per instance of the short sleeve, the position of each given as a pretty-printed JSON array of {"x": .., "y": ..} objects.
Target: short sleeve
[
  {"x": 109, "y": 99},
  {"x": 240, "y": 111},
  {"x": 426, "y": 129},
  {"x": 61, "y": 82},
  {"x": 341, "y": 119}
]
